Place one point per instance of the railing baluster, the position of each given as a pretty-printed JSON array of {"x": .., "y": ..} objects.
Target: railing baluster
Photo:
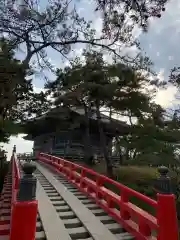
[
  {"x": 24, "y": 208},
  {"x": 137, "y": 221},
  {"x": 167, "y": 214}
]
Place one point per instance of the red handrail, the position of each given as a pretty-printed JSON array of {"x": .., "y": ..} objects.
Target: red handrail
[
  {"x": 22, "y": 228},
  {"x": 135, "y": 220},
  {"x": 15, "y": 177}
]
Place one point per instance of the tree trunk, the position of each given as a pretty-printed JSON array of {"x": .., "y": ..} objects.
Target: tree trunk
[
  {"x": 120, "y": 157},
  {"x": 119, "y": 150},
  {"x": 103, "y": 142},
  {"x": 87, "y": 144},
  {"x": 110, "y": 145},
  {"x": 134, "y": 154}
]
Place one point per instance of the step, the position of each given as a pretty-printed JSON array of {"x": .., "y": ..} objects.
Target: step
[
  {"x": 90, "y": 238},
  {"x": 92, "y": 206},
  {"x": 79, "y": 232},
  {"x": 53, "y": 226},
  {"x": 48, "y": 188},
  {"x": 4, "y": 232},
  {"x": 67, "y": 215},
  {"x": 72, "y": 223},
  {"x": 6, "y": 197},
  {"x": 5, "y": 218},
  {"x": 55, "y": 198},
  {"x": 6, "y": 206},
  {"x": 83, "y": 197},
  {"x": 55, "y": 194},
  {"x": 5, "y": 211},
  {"x": 4, "y": 227},
  {"x": 39, "y": 235},
  {"x": 6, "y": 193},
  {"x": 46, "y": 185},
  {"x": 62, "y": 208},
  {"x": 74, "y": 190},
  {"x": 87, "y": 201},
  {"x": 99, "y": 212},
  {"x": 4, "y": 237},
  {"x": 124, "y": 236},
  {"x": 6, "y": 214},
  {"x": 5, "y": 222},
  {"x": 78, "y": 194},
  {"x": 92, "y": 224},
  {"x": 115, "y": 228},
  {"x": 38, "y": 224},
  {"x": 106, "y": 219},
  {"x": 59, "y": 203},
  {"x": 50, "y": 191},
  {"x": 7, "y": 201}
]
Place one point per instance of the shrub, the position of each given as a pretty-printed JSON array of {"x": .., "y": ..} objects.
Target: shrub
[{"x": 136, "y": 174}]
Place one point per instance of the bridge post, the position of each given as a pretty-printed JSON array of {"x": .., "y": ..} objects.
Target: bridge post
[
  {"x": 24, "y": 209},
  {"x": 14, "y": 149},
  {"x": 166, "y": 213}
]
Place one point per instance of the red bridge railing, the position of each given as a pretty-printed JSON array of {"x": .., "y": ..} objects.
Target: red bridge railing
[
  {"x": 23, "y": 210},
  {"x": 15, "y": 177},
  {"x": 140, "y": 223}
]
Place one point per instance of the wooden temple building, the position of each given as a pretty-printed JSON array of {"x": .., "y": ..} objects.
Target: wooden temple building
[{"x": 61, "y": 132}]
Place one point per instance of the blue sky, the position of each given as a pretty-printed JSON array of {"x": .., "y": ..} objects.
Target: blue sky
[{"x": 161, "y": 44}]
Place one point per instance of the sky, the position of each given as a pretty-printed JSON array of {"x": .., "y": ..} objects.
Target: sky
[{"x": 161, "y": 44}]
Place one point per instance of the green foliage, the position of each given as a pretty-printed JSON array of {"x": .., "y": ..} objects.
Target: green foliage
[
  {"x": 174, "y": 119},
  {"x": 152, "y": 141},
  {"x": 94, "y": 84},
  {"x": 136, "y": 174},
  {"x": 13, "y": 90},
  {"x": 3, "y": 167},
  {"x": 114, "y": 85},
  {"x": 139, "y": 178},
  {"x": 139, "y": 12},
  {"x": 9, "y": 128},
  {"x": 17, "y": 99},
  {"x": 60, "y": 27},
  {"x": 13, "y": 84}
]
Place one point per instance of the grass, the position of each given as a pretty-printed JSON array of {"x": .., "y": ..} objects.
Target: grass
[
  {"x": 139, "y": 178},
  {"x": 132, "y": 174}
]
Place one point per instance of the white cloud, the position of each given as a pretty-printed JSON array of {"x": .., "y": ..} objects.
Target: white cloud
[
  {"x": 167, "y": 97},
  {"x": 97, "y": 24},
  {"x": 38, "y": 90},
  {"x": 161, "y": 75}
]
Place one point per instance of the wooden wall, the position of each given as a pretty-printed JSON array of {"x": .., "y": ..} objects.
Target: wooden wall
[{"x": 67, "y": 143}]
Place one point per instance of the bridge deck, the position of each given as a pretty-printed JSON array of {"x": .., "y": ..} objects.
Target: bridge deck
[{"x": 68, "y": 214}]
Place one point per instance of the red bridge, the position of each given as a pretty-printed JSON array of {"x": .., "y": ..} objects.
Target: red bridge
[{"x": 55, "y": 199}]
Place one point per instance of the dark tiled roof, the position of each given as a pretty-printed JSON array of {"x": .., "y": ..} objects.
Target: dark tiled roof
[{"x": 80, "y": 111}]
